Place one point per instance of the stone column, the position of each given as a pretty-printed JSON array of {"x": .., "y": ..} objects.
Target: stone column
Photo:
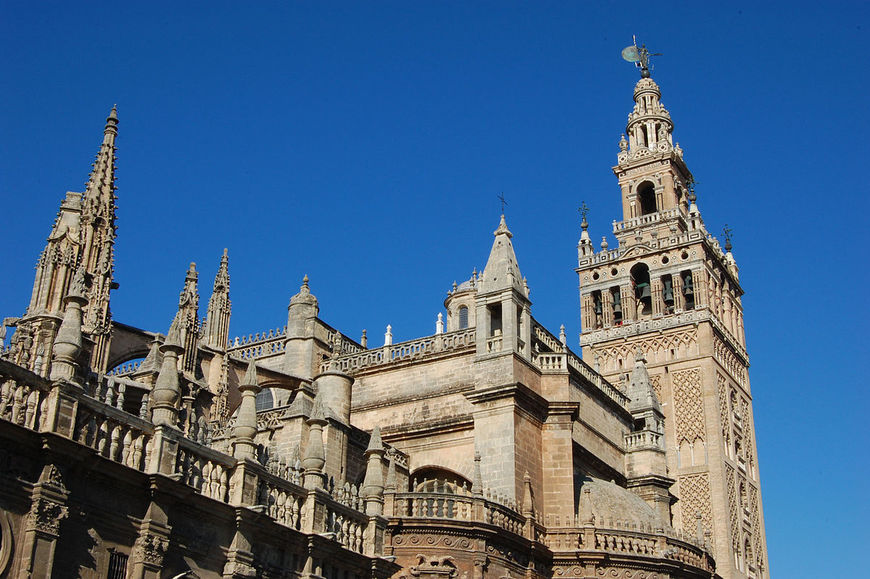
[
  {"x": 151, "y": 544},
  {"x": 679, "y": 298},
  {"x": 606, "y": 308},
  {"x": 42, "y": 524},
  {"x": 657, "y": 302}
]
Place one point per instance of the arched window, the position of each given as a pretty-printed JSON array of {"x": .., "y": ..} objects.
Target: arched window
[
  {"x": 646, "y": 193},
  {"x": 640, "y": 280},
  {"x": 463, "y": 317},
  {"x": 265, "y": 400}
]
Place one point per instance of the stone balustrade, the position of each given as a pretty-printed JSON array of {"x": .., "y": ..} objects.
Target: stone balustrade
[
  {"x": 549, "y": 340},
  {"x": 644, "y": 438},
  {"x": 404, "y": 351},
  {"x": 458, "y": 507},
  {"x": 564, "y": 359},
  {"x": 125, "y": 368},
  {"x": 94, "y": 417},
  {"x": 644, "y": 541},
  {"x": 648, "y": 219}
]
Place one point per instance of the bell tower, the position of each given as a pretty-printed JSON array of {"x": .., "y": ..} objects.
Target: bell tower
[{"x": 669, "y": 292}]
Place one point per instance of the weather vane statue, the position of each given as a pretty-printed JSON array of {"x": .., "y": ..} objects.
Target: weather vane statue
[{"x": 639, "y": 56}]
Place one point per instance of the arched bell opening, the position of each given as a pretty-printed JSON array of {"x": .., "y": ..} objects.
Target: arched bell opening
[
  {"x": 641, "y": 283},
  {"x": 646, "y": 194}
]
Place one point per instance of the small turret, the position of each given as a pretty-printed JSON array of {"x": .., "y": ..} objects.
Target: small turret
[
  {"x": 299, "y": 347},
  {"x": 502, "y": 306}
]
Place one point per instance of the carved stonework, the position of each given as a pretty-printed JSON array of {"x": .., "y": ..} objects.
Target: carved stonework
[
  {"x": 151, "y": 549},
  {"x": 723, "y": 354},
  {"x": 695, "y": 498},
  {"x": 688, "y": 406},
  {"x": 656, "y": 382},
  {"x": 45, "y": 516},
  {"x": 724, "y": 416},
  {"x": 731, "y": 484},
  {"x": 657, "y": 348},
  {"x": 434, "y": 568},
  {"x": 621, "y": 573}
]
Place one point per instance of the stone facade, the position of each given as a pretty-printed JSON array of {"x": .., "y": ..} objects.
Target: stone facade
[{"x": 488, "y": 449}]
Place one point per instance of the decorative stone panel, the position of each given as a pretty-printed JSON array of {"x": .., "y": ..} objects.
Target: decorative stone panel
[
  {"x": 695, "y": 498},
  {"x": 688, "y": 406}
]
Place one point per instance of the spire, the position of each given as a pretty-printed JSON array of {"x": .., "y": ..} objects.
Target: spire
[
  {"x": 188, "y": 318},
  {"x": 502, "y": 271},
  {"x": 217, "y": 322},
  {"x": 640, "y": 390}
]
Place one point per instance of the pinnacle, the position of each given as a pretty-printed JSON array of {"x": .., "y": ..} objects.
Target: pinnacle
[
  {"x": 503, "y": 228},
  {"x": 250, "y": 378}
]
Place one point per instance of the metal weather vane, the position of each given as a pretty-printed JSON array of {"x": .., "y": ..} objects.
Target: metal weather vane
[
  {"x": 584, "y": 210},
  {"x": 726, "y": 232},
  {"x": 639, "y": 56}
]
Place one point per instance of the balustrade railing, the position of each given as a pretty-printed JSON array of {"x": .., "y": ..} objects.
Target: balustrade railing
[
  {"x": 113, "y": 433},
  {"x": 21, "y": 403},
  {"x": 642, "y": 438},
  {"x": 204, "y": 469},
  {"x": 404, "y": 351},
  {"x": 347, "y": 526},
  {"x": 282, "y": 499}
]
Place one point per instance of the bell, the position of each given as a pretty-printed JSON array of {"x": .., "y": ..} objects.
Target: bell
[
  {"x": 668, "y": 292},
  {"x": 643, "y": 291},
  {"x": 617, "y": 303},
  {"x": 688, "y": 288},
  {"x": 598, "y": 307}
]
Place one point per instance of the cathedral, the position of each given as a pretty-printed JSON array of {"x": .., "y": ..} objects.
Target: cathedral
[{"x": 488, "y": 450}]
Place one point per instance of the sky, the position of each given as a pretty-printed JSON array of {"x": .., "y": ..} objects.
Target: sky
[{"x": 365, "y": 144}]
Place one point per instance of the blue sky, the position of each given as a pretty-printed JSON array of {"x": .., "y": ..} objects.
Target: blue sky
[{"x": 365, "y": 143}]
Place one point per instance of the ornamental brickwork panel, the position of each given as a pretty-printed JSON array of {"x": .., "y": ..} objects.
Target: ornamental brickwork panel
[
  {"x": 688, "y": 405},
  {"x": 731, "y": 485},
  {"x": 695, "y": 498},
  {"x": 724, "y": 415}
]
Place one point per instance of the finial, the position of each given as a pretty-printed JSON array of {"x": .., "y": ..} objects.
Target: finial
[
  {"x": 639, "y": 56},
  {"x": 584, "y": 210},
  {"x": 726, "y": 231},
  {"x": 692, "y": 196},
  {"x": 604, "y": 245},
  {"x": 639, "y": 357},
  {"x": 250, "y": 378},
  {"x": 305, "y": 281},
  {"x": 502, "y": 228}
]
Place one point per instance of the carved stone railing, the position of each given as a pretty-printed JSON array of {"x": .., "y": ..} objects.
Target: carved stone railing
[
  {"x": 262, "y": 349},
  {"x": 646, "y": 542},
  {"x": 22, "y": 403},
  {"x": 101, "y": 423},
  {"x": 644, "y": 438},
  {"x": 560, "y": 362},
  {"x": 283, "y": 500},
  {"x": 646, "y": 219},
  {"x": 347, "y": 525},
  {"x": 549, "y": 340},
  {"x": 125, "y": 368},
  {"x": 458, "y": 507},
  {"x": 405, "y": 351},
  {"x": 113, "y": 433}
]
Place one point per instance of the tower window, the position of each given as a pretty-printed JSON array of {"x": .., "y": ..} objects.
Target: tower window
[
  {"x": 117, "y": 565},
  {"x": 494, "y": 319},
  {"x": 688, "y": 289},
  {"x": 617, "y": 305},
  {"x": 463, "y": 317},
  {"x": 646, "y": 193},
  {"x": 640, "y": 281}
]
